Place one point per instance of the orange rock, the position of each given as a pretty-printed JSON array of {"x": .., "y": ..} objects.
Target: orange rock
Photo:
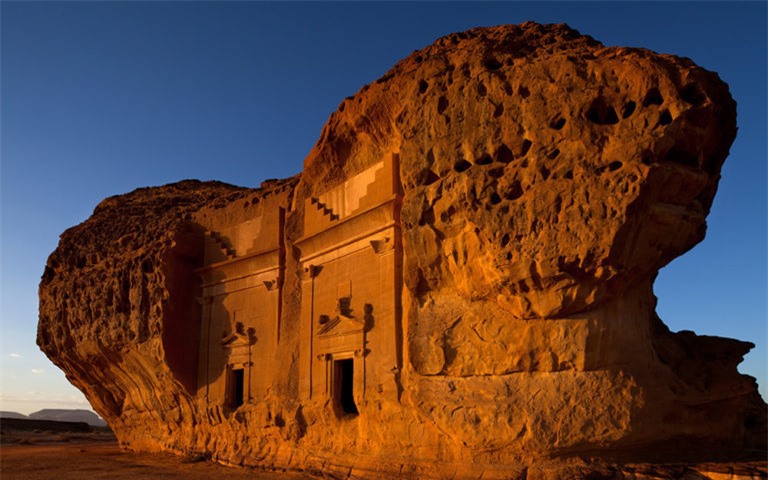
[{"x": 458, "y": 284}]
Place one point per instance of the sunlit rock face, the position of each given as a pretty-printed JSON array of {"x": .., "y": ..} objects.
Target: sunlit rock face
[{"x": 458, "y": 284}]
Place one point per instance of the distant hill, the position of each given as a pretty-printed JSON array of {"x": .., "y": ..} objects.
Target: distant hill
[
  {"x": 12, "y": 415},
  {"x": 62, "y": 415},
  {"x": 29, "y": 425}
]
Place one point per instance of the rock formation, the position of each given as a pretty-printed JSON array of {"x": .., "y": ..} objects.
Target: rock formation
[{"x": 458, "y": 284}]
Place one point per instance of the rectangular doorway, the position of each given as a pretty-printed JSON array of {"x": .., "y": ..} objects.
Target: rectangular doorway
[
  {"x": 344, "y": 386},
  {"x": 236, "y": 387}
]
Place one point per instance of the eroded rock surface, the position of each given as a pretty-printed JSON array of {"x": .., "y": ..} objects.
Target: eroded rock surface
[{"x": 458, "y": 284}]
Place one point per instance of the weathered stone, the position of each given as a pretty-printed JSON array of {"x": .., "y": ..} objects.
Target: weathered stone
[{"x": 458, "y": 285}]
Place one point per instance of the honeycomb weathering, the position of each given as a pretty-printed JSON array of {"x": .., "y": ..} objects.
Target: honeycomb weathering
[{"x": 458, "y": 284}]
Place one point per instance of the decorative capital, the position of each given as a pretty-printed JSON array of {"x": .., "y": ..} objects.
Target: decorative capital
[
  {"x": 308, "y": 272},
  {"x": 383, "y": 245}
]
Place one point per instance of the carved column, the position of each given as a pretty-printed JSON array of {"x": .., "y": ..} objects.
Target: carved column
[
  {"x": 203, "y": 381},
  {"x": 386, "y": 313},
  {"x": 307, "y": 276}
]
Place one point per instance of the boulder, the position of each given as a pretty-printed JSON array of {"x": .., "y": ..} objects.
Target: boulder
[{"x": 459, "y": 283}]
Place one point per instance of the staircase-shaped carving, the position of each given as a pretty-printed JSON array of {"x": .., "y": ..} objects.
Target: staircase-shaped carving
[
  {"x": 372, "y": 176},
  {"x": 366, "y": 190},
  {"x": 345, "y": 199},
  {"x": 223, "y": 244},
  {"x": 324, "y": 208}
]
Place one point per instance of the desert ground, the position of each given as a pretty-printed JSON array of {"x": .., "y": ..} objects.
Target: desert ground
[
  {"x": 41, "y": 455},
  {"x": 46, "y": 455}
]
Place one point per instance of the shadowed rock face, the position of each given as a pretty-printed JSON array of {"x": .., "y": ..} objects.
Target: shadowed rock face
[{"x": 538, "y": 183}]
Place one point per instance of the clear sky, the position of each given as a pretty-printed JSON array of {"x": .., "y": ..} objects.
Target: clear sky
[{"x": 100, "y": 98}]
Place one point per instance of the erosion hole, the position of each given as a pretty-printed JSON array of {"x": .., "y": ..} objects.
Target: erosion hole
[
  {"x": 462, "y": 166},
  {"x": 495, "y": 198},
  {"x": 514, "y": 191},
  {"x": 492, "y": 64},
  {"x": 442, "y": 104},
  {"x": 557, "y": 123},
  {"x": 628, "y": 109},
  {"x": 427, "y": 217},
  {"x": 526, "y": 146},
  {"x": 446, "y": 215},
  {"x": 505, "y": 240},
  {"x": 423, "y": 85},
  {"x": 147, "y": 266},
  {"x": 692, "y": 94},
  {"x": 504, "y": 154},
  {"x": 665, "y": 118},
  {"x": 496, "y": 172},
  {"x": 430, "y": 157},
  {"x": 601, "y": 113},
  {"x": 427, "y": 177},
  {"x": 653, "y": 97}
]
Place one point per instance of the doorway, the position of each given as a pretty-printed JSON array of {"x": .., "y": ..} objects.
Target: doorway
[
  {"x": 237, "y": 387},
  {"x": 344, "y": 386}
]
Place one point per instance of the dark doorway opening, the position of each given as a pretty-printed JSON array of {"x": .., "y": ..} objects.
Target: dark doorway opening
[
  {"x": 344, "y": 376},
  {"x": 237, "y": 387}
]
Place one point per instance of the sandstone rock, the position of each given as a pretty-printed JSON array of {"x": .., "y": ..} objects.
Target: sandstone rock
[{"x": 459, "y": 284}]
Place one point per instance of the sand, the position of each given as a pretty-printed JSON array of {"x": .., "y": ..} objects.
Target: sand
[{"x": 94, "y": 460}]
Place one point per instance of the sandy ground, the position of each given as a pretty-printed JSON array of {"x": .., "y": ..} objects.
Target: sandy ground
[
  {"x": 96, "y": 456},
  {"x": 98, "y": 459}
]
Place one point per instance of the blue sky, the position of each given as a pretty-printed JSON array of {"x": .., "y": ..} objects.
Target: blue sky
[{"x": 100, "y": 98}]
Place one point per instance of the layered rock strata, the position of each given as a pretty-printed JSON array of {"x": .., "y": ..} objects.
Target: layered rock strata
[{"x": 459, "y": 283}]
